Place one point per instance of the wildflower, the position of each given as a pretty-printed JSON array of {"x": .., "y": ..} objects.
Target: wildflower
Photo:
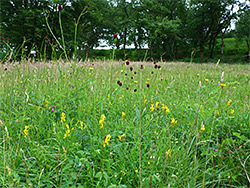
[
  {"x": 26, "y": 131},
  {"x": 231, "y": 112},
  {"x": 66, "y": 133},
  {"x": 142, "y": 67},
  {"x": 135, "y": 82},
  {"x": 148, "y": 163},
  {"x": 215, "y": 149},
  {"x": 135, "y": 72},
  {"x": 60, "y": 8},
  {"x": 123, "y": 173},
  {"x": 173, "y": 121},
  {"x": 217, "y": 112},
  {"x": 229, "y": 102},
  {"x": 106, "y": 141},
  {"x": 110, "y": 104},
  {"x": 1, "y": 37},
  {"x": 152, "y": 108},
  {"x": 135, "y": 90},
  {"x": 164, "y": 60},
  {"x": 91, "y": 69},
  {"x": 21, "y": 82},
  {"x": 206, "y": 80},
  {"x": 101, "y": 122},
  {"x": 202, "y": 127},
  {"x": 63, "y": 117},
  {"x": 115, "y": 36},
  {"x": 131, "y": 68},
  {"x": 222, "y": 85},
  {"x": 123, "y": 114},
  {"x": 198, "y": 75},
  {"x": 127, "y": 62},
  {"x": 72, "y": 86},
  {"x": 136, "y": 171},
  {"x": 121, "y": 137},
  {"x": 53, "y": 108},
  {"x": 122, "y": 70},
  {"x": 148, "y": 85},
  {"x": 168, "y": 153},
  {"x": 156, "y": 104}
]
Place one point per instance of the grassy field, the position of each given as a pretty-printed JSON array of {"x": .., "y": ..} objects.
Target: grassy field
[{"x": 120, "y": 124}]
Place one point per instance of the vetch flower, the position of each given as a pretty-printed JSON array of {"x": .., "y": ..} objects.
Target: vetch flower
[
  {"x": 121, "y": 137},
  {"x": 202, "y": 127},
  {"x": 53, "y": 108},
  {"x": 231, "y": 112},
  {"x": 229, "y": 102},
  {"x": 106, "y": 141},
  {"x": 152, "y": 108},
  {"x": 26, "y": 131},
  {"x": 101, "y": 122},
  {"x": 173, "y": 121},
  {"x": 63, "y": 117}
]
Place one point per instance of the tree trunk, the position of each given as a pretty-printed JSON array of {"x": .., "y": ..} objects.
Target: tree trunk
[
  {"x": 222, "y": 44},
  {"x": 248, "y": 46},
  {"x": 201, "y": 50},
  {"x": 152, "y": 51}
]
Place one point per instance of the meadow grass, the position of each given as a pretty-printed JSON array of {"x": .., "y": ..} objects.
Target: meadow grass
[{"x": 89, "y": 124}]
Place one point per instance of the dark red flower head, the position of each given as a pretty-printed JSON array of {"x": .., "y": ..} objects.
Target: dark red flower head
[
  {"x": 115, "y": 36},
  {"x": 147, "y": 85},
  {"x": 60, "y": 8},
  {"x": 159, "y": 66},
  {"x": 8, "y": 38},
  {"x": 1, "y": 37},
  {"x": 164, "y": 60},
  {"x": 156, "y": 66},
  {"x": 127, "y": 62},
  {"x": 131, "y": 68},
  {"x": 141, "y": 66},
  {"x": 93, "y": 57}
]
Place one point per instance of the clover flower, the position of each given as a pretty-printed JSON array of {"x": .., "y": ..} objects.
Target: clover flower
[
  {"x": 202, "y": 127},
  {"x": 173, "y": 121},
  {"x": 63, "y": 117}
]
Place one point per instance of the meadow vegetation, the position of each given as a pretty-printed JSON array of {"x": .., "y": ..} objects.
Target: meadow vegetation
[{"x": 124, "y": 124}]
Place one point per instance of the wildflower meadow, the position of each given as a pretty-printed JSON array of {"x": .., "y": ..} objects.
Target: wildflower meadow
[{"x": 124, "y": 124}]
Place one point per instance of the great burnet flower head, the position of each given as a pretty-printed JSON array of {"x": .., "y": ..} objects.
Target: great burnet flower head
[{"x": 60, "y": 8}]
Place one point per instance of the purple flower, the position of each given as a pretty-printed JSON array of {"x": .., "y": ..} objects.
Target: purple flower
[
  {"x": 215, "y": 149},
  {"x": 164, "y": 60},
  {"x": 193, "y": 85},
  {"x": 72, "y": 86},
  {"x": 141, "y": 66},
  {"x": 131, "y": 68},
  {"x": 127, "y": 62},
  {"x": 53, "y": 108}
]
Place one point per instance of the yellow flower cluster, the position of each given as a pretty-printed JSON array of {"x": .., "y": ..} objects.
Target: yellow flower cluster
[
  {"x": 101, "y": 122},
  {"x": 173, "y": 121},
  {"x": 168, "y": 153},
  {"x": 26, "y": 131},
  {"x": 123, "y": 114},
  {"x": 106, "y": 141},
  {"x": 203, "y": 128},
  {"x": 231, "y": 112},
  {"x": 229, "y": 102},
  {"x": 67, "y": 132},
  {"x": 217, "y": 112},
  {"x": 164, "y": 107},
  {"x": 152, "y": 108},
  {"x": 63, "y": 117}
]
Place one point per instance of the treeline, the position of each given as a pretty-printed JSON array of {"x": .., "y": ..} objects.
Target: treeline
[{"x": 175, "y": 28}]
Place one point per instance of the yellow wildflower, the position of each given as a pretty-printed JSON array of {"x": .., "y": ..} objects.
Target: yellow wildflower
[
  {"x": 206, "y": 80},
  {"x": 106, "y": 141},
  {"x": 202, "y": 127},
  {"x": 198, "y": 75},
  {"x": 123, "y": 173},
  {"x": 136, "y": 171},
  {"x": 101, "y": 122},
  {"x": 152, "y": 108},
  {"x": 229, "y": 102},
  {"x": 222, "y": 85},
  {"x": 168, "y": 153},
  {"x": 121, "y": 137},
  {"x": 148, "y": 79},
  {"x": 123, "y": 114},
  {"x": 26, "y": 131},
  {"x": 173, "y": 121},
  {"x": 110, "y": 104},
  {"x": 156, "y": 104},
  {"x": 122, "y": 70},
  {"x": 91, "y": 69},
  {"x": 148, "y": 163},
  {"x": 217, "y": 112},
  {"x": 231, "y": 112},
  {"x": 135, "y": 82},
  {"x": 63, "y": 117}
]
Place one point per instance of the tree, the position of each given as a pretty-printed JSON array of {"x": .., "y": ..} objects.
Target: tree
[{"x": 243, "y": 28}]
